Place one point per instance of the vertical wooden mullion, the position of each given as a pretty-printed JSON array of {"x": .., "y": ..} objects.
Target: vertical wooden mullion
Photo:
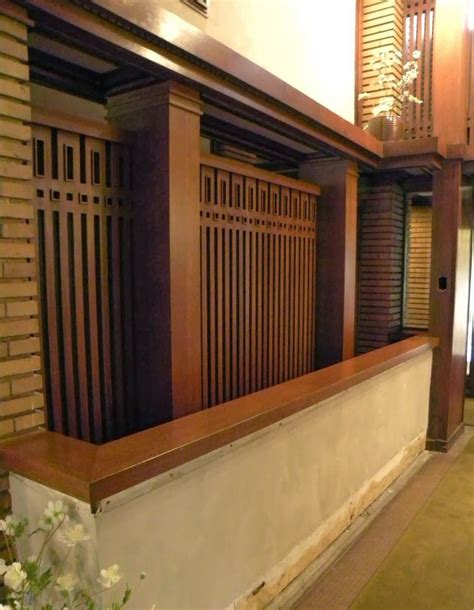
[
  {"x": 286, "y": 279},
  {"x": 72, "y": 406},
  {"x": 220, "y": 317},
  {"x": 296, "y": 317},
  {"x": 292, "y": 311},
  {"x": 204, "y": 316},
  {"x": 127, "y": 316},
  {"x": 265, "y": 307},
  {"x": 282, "y": 310},
  {"x": 271, "y": 306},
  {"x": 119, "y": 402},
  {"x": 227, "y": 346},
  {"x": 253, "y": 310},
  {"x": 80, "y": 328},
  {"x": 305, "y": 330},
  {"x": 93, "y": 329},
  {"x": 259, "y": 309},
  {"x": 212, "y": 318},
  {"x": 105, "y": 314},
  {"x": 53, "y": 324},
  {"x": 313, "y": 304},
  {"x": 247, "y": 311},
  {"x": 234, "y": 309},
  {"x": 241, "y": 308}
]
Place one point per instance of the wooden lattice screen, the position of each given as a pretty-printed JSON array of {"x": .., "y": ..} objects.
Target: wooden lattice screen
[
  {"x": 419, "y": 23},
  {"x": 258, "y": 240},
  {"x": 84, "y": 250}
]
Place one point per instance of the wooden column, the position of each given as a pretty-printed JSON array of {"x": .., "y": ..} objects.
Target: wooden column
[
  {"x": 336, "y": 231},
  {"x": 165, "y": 124},
  {"x": 449, "y": 302},
  {"x": 450, "y": 71}
]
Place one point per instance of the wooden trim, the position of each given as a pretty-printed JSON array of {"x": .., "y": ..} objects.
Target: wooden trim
[
  {"x": 92, "y": 473},
  {"x": 69, "y": 122},
  {"x": 224, "y": 78},
  {"x": 442, "y": 445},
  {"x": 238, "y": 167}
]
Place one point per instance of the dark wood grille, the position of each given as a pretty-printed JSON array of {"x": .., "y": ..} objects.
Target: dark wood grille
[
  {"x": 84, "y": 220},
  {"x": 258, "y": 245},
  {"x": 419, "y": 24}
]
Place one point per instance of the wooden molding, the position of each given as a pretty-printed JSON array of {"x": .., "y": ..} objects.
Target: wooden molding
[{"x": 92, "y": 473}]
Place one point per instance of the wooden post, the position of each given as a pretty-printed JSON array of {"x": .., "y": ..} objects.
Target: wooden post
[
  {"x": 450, "y": 71},
  {"x": 336, "y": 231},
  {"x": 449, "y": 302},
  {"x": 165, "y": 123}
]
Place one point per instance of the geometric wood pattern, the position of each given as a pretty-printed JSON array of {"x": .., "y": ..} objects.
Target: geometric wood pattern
[
  {"x": 258, "y": 240},
  {"x": 418, "y": 270},
  {"x": 419, "y": 23},
  {"x": 84, "y": 218},
  {"x": 380, "y": 29}
]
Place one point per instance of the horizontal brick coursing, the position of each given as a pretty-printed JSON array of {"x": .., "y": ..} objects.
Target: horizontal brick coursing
[
  {"x": 380, "y": 265},
  {"x": 21, "y": 397}
]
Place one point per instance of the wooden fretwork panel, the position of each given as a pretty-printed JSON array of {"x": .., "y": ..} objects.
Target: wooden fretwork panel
[
  {"x": 258, "y": 245},
  {"x": 84, "y": 216},
  {"x": 419, "y": 28}
]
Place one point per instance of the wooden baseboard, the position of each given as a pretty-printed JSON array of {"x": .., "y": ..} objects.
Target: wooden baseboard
[{"x": 444, "y": 445}]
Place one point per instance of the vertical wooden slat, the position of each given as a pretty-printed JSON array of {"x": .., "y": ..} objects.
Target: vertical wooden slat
[
  {"x": 68, "y": 328},
  {"x": 127, "y": 321},
  {"x": 204, "y": 314},
  {"x": 106, "y": 365},
  {"x": 52, "y": 322},
  {"x": 241, "y": 311},
  {"x": 234, "y": 312},
  {"x": 93, "y": 339},
  {"x": 117, "y": 330},
  {"x": 80, "y": 329},
  {"x": 271, "y": 309},
  {"x": 247, "y": 330},
  {"x": 226, "y": 338},
  {"x": 213, "y": 331}
]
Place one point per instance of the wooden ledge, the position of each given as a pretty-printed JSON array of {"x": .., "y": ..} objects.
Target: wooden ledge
[{"x": 91, "y": 473}]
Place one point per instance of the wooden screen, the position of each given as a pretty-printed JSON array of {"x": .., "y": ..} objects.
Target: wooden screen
[
  {"x": 418, "y": 268},
  {"x": 84, "y": 252},
  {"x": 419, "y": 23},
  {"x": 258, "y": 240}
]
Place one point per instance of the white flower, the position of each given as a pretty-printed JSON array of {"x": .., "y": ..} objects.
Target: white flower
[
  {"x": 54, "y": 514},
  {"x": 109, "y": 577},
  {"x": 9, "y": 525},
  {"x": 3, "y": 607},
  {"x": 14, "y": 577},
  {"x": 3, "y": 567},
  {"x": 416, "y": 54},
  {"x": 66, "y": 583},
  {"x": 73, "y": 534}
]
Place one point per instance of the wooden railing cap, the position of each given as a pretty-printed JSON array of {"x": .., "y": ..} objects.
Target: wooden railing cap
[{"x": 92, "y": 473}]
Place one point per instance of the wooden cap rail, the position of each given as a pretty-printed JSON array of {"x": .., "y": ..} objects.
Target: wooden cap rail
[{"x": 92, "y": 473}]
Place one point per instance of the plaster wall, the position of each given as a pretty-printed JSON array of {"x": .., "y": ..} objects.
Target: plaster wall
[
  {"x": 259, "y": 510},
  {"x": 308, "y": 44}
]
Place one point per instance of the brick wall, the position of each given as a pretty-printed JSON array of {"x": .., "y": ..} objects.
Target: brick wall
[
  {"x": 380, "y": 258},
  {"x": 21, "y": 399}
]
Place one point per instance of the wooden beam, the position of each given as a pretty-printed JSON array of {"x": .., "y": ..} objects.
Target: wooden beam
[
  {"x": 164, "y": 120},
  {"x": 336, "y": 231}
]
